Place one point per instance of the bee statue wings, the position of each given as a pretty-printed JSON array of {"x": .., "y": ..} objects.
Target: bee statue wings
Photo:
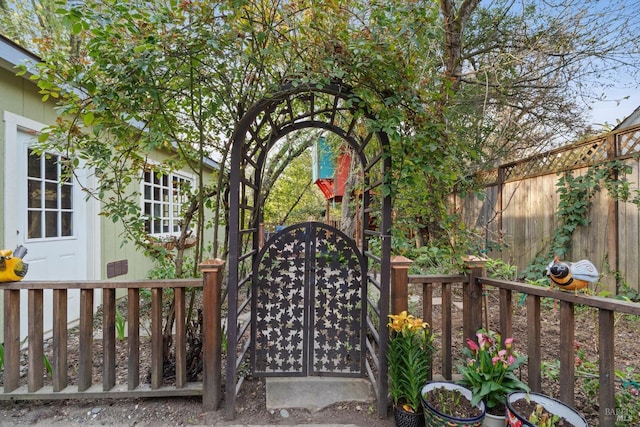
[
  {"x": 12, "y": 267},
  {"x": 572, "y": 276}
]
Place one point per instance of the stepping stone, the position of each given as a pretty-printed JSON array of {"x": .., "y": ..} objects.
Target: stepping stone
[{"x": 315, "y": 393}]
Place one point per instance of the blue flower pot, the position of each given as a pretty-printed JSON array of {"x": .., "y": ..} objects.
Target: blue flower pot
[
  {"x": 434, "y": 417},
  {"x": 550, "y": 405}
]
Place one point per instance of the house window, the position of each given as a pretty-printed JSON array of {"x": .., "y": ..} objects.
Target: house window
[
  {"x": 163, "y": 198},
  {"x": 49, "y": 198}
]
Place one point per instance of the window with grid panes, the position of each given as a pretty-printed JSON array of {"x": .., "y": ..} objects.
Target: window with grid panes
[
  {"x": 49, "y": 197},
  {"x": 163, "y": 197}
]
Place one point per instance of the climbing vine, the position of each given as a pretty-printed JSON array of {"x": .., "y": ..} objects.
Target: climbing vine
[{"x": 576, "y": 193}]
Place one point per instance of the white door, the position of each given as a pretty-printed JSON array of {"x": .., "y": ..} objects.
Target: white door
[{"x": 46, "y": 212}]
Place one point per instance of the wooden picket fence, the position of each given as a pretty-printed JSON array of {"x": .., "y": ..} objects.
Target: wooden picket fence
[
  {"x": 210, "y": 387},
  {"x": 16, "y": 388}
]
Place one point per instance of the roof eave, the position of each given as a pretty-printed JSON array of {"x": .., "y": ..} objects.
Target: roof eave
[{"x": 12, "y": 55}]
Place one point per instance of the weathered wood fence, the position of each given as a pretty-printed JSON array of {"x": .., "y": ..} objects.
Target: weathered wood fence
[
  {"x": 209, "y": 388},
  {"x": 518, "y": 210},
  {"x": 472, "y": 288}
]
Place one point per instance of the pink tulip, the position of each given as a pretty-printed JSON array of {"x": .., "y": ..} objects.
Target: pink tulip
[{"x": 472, "y": 344}]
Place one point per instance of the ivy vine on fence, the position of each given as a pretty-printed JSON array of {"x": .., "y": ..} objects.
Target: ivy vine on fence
[{"x": 576, "y": 193}]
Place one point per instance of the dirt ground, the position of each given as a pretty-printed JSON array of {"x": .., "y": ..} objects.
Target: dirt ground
[
  {"x": 251, "y": 407},
  {"x": 182, "y": 412}
]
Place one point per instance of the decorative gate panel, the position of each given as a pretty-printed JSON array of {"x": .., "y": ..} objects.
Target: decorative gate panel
[{"x": 309, "y": 290}]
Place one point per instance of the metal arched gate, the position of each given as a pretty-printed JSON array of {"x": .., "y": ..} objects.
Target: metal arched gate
[
  {"x": 308, "y": 313},
  {"x": 333, "y": 108}
]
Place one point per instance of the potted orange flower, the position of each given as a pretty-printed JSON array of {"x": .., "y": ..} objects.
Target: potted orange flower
[{"x": 409, "y": 360}]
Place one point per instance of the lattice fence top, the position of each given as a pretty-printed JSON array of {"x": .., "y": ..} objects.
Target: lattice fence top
[
  {"x": 582, "y": 154},
  {"x": 628, "y": 142}
]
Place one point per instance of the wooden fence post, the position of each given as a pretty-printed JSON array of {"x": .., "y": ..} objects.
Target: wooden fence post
[
  {"x": 472, "y": 297},
  {"x": 567, "y": 353},
  {"x": 607, "y": 394},
  {"x": 613, "y": 216},
  {"x": 11, "y": 375},
  {"x": 399, "y": 284},
  {"x": 212, "y": 336}
]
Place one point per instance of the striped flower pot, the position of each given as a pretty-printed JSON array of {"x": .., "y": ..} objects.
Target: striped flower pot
[{"x": 435, "y": 417}]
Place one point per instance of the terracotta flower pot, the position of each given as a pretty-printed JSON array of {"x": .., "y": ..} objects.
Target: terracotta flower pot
[
  {"x": 436, "y": 417},
  {"x": 551, "y": 405}
]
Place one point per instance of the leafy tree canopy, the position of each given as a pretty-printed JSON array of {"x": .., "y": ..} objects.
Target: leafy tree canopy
[{"x": 457, "y": 85}]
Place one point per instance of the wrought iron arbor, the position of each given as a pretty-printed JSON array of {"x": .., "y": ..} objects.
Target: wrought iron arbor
[{"x": 333, "y": 108}]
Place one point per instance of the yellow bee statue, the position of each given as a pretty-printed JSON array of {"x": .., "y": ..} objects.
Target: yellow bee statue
[
  {"x": 12, "y": 268},
  {"x": 571, "y": 276}
]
